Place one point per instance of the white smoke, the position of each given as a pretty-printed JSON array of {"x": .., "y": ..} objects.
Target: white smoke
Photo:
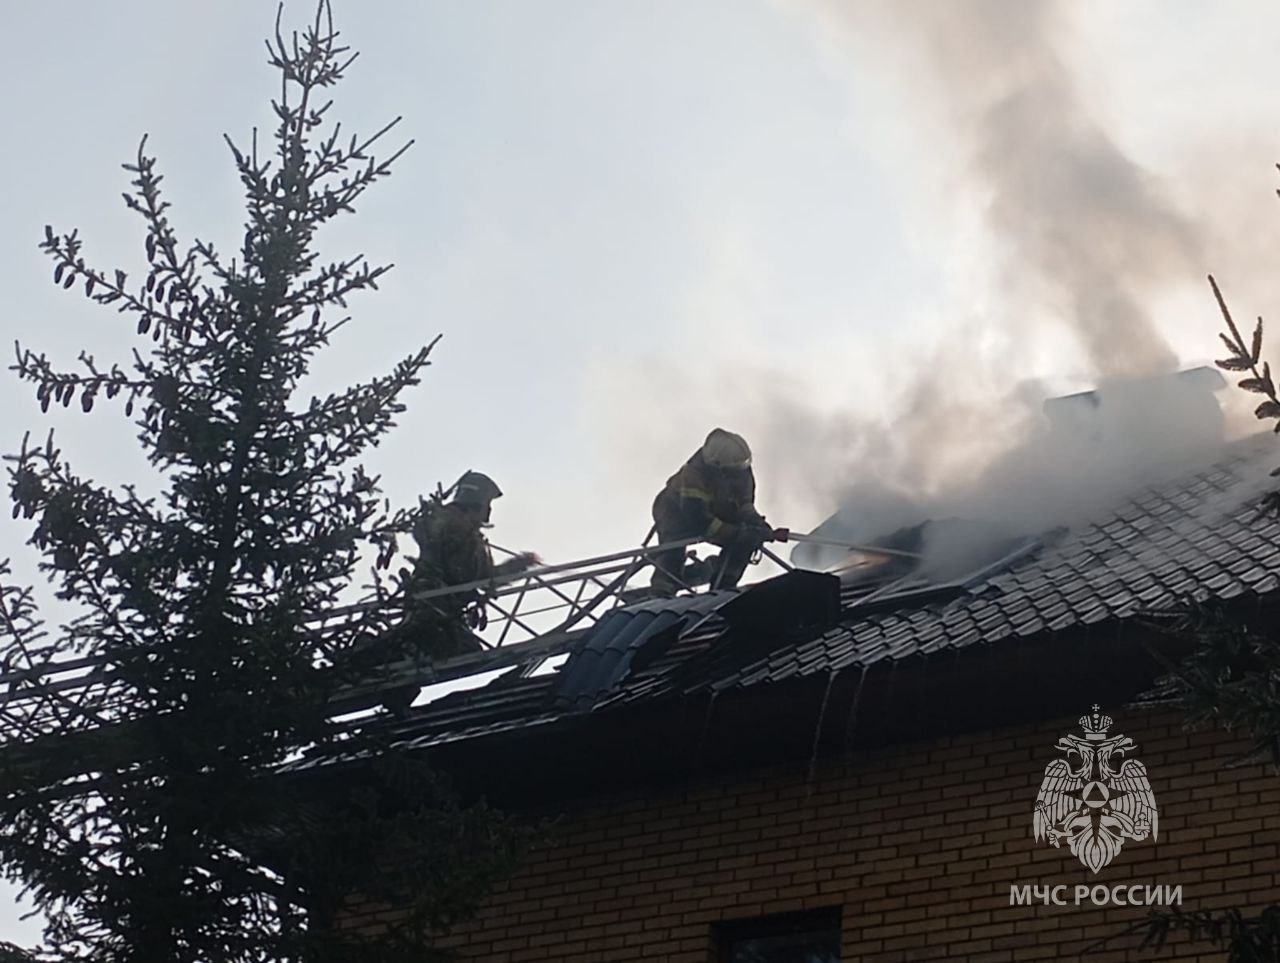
[
  {"x": 1084, "y": 241},
  {"x": 1090, "y": 450},
  {"x": 1068, "y": 253},
  {"x": 1086, "y": 237}
]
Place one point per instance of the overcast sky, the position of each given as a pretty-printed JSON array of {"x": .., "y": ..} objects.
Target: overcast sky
[{"x": 635, "y": 221}]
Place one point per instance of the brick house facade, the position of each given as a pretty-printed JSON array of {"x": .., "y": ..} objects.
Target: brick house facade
[
  {"x": 854, "y": 768},
  {"x": 915, "y": 847}
]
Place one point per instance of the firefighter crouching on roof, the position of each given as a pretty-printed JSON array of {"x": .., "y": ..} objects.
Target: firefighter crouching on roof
[
  {"x": 452, "y": 550},
  {"x": 711, "y": 497}
]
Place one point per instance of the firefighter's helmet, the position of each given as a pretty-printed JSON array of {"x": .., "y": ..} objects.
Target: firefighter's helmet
[
  {"x": 724, "y": 449},
  {"x": 475, "y": 488}
]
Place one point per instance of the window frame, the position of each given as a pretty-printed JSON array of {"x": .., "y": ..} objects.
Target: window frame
[{"x": 728, "y": 932}]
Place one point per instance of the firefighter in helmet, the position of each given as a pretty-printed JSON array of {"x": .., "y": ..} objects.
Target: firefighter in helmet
[
  {"x": 452, "y": 550},
  {"x": 711, "y": 497}
]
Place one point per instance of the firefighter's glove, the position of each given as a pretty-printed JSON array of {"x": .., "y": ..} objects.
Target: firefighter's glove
[{"x": 518, "y": 563}]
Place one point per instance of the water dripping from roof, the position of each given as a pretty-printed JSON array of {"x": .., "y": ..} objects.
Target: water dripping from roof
[
  {"x": 851, "y": 725},
  {"x": 891, "y": 682},
  {"x": 817, "y": 734},
  {"x": 706, "y": 727}
]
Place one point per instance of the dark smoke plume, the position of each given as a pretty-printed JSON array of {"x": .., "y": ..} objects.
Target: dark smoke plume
[{"x": 1087, "y": 237}]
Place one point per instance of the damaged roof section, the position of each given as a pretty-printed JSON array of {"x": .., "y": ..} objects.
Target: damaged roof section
[
  {"x": 654, "y": 639},
  {"x": 1196, "y": 537},
  {"x": 628, "y": 639}
]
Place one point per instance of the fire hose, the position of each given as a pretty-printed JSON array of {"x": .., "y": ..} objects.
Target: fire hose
[{"x": 848, "y": 546}]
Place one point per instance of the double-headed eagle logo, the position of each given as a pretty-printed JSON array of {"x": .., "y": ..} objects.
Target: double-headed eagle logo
[{"x": 1088, "y": 803}]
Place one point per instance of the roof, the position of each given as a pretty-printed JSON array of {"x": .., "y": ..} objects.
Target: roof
[
  {"x": 1196, "y": 537},
  {"x": 626, "y": 639}
]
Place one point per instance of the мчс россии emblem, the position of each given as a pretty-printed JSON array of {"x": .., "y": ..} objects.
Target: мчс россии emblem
[{"x": 1089, "y": 802}]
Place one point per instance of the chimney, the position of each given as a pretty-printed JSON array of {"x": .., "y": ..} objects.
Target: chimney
[{"x": 1142, "y": 411}]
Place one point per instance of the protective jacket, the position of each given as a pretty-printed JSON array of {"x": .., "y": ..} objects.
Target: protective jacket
[
  {"x": 701, "y": 501},
  {"x": 452, "y": 550}
]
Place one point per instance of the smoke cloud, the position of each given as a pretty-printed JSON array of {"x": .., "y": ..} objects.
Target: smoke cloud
[
  {"x": 1088, "y": 451},
  {"x": 1084, "y": 242},
  {"x": 1085, "y": 236},
  {"x": 1067, "y": 248}
]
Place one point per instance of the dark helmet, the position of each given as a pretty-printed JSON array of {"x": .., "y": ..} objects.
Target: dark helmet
[{"x": 473, "y": 488}]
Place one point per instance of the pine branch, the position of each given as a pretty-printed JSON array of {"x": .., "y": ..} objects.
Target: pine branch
[{"x": 142, "y": 800}]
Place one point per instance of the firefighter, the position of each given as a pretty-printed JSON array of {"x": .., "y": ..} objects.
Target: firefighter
[
  {"x": 711, "y": 497},
  {"x": 452, "y": 550}
]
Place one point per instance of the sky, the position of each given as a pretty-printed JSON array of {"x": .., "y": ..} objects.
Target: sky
[{"x": 634, "y": 222}]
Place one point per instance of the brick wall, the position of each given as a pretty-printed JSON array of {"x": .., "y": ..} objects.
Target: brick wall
[{"x": 918, "y": 845}]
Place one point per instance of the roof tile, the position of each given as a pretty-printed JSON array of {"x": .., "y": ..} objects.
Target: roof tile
[{"x": 1181, "y": 539}]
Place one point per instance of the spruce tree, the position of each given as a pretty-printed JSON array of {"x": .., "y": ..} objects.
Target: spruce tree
[
  {"x": 1230, "y": 679},
  {"x": 148, "y": 814}
]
